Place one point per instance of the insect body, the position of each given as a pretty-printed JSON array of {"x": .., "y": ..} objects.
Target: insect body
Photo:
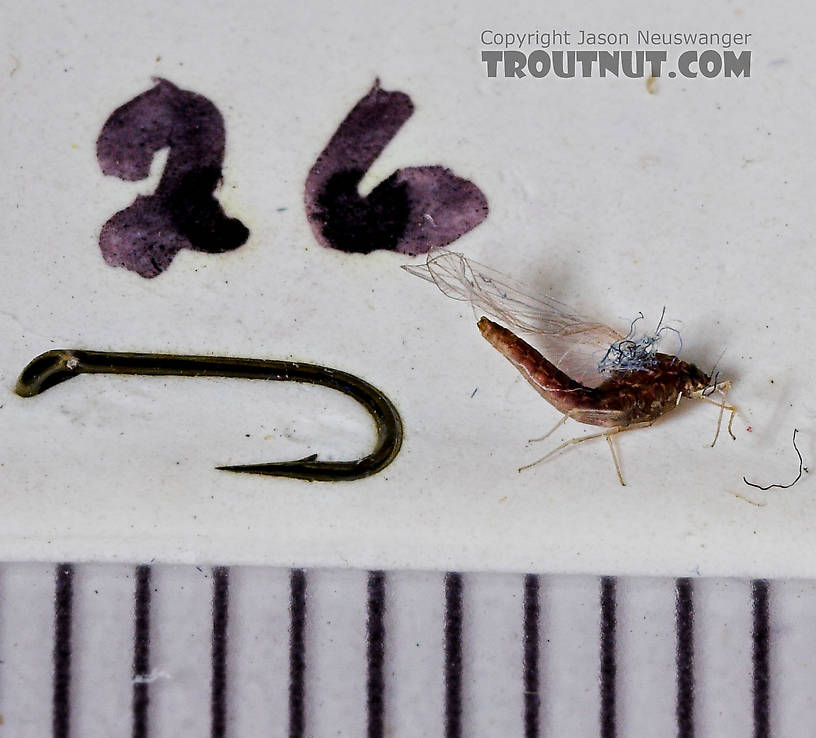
[
  {"x": 621, "y": 395},
  {"x": 635, "y": 396}
]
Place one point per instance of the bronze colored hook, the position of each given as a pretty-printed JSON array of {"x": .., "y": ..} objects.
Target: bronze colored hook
[{"x": 59, "y": 365}]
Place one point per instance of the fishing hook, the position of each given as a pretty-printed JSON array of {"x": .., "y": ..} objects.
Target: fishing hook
[{"x": 60, "y": 365}]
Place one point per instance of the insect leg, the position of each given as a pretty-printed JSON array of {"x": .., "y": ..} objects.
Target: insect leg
[
  {"x": 622, "y": 429},
  {"x": 608, "y": 436},
  {"x": 579, "y": 439},
  {"x": 564, "y": 418},
  {"x": 722, "y": 387}
]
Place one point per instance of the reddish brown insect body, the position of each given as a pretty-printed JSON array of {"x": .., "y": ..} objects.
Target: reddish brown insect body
[
  {"x": 626, "y": 398},
  {"x": 597, "y": 375}
]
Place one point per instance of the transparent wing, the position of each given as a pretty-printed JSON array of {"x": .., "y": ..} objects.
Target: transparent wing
[
  {"x": 497, "y": 295},
  {"x": 572, "y": 342}
]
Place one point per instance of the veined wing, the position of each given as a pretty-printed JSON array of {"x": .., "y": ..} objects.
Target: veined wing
[
  {"x": 572, "y": 342},
  {"x": 498, "y": 295}
]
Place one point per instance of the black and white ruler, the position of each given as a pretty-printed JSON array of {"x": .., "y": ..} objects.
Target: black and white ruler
[{"x": 108, "y": 650}]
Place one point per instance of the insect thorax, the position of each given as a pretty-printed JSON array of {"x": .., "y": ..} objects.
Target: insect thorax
[{"x": 644, "y": 394}]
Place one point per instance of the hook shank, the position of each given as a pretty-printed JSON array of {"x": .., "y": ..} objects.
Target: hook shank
[{"x": 60, "y": 365}]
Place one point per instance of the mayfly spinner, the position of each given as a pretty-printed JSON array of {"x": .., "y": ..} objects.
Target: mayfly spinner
[{"x": 595, "y": 375}]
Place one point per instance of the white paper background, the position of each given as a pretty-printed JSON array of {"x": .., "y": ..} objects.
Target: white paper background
[{"x": 615, "y": 200}]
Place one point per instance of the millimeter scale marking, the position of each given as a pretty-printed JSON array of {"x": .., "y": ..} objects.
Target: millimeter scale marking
[
  {"x": 63, "y": 600},
  {"x": 684, "y": 613},
  {"x": 141, "y": 651},
  {"x": 535, "y": 678},
  {"x": 608, "y": 663}
]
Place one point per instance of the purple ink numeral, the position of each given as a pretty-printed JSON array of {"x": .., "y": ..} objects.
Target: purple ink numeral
[
  {"x": 412, "y": 211},
  {"x": 182, "y": 213}
]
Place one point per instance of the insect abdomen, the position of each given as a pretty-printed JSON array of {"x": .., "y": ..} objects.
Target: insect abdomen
[{"x": 562, "y": 392}]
